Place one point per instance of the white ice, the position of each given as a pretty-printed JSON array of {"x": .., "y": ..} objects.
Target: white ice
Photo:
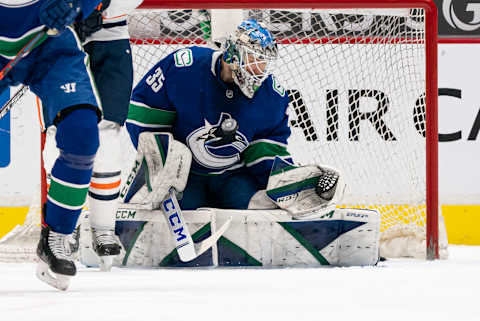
[{"x": 403, "y": 290}]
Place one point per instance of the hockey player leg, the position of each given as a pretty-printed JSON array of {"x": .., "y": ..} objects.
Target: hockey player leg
[
  {"x": 77, "y": 139},
  {"x": 195, "y": 194},
  {"x": 103, "y": 194},
  {"x": 114, "y": 84},
  {"x": 234, "y": 190}
]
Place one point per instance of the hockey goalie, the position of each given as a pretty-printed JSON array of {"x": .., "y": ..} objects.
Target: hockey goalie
[{"x": 219, "y": 145}]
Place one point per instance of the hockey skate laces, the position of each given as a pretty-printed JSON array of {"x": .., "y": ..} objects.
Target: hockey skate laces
[
  {"x": 57, "y": 242},
  {"x": 103, "y": 237}
]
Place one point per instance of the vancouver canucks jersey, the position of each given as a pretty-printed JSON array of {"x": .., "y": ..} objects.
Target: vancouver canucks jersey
[
  {"x": 19, "y": 23},
  {"x": 224, "y": 129}
]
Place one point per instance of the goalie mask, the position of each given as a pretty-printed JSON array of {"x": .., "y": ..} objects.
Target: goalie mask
[{"x": 250, "y": 54}]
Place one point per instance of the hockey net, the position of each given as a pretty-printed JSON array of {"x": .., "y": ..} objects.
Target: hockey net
[{"x": 362, "y": 87}]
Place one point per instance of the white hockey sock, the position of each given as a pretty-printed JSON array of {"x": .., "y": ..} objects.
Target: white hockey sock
[
  {"x": 103, "y": 199},
  {"x": 105, "y": 183}
]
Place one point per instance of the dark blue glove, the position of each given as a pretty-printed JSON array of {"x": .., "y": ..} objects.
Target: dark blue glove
[{"x": 58, "y": 14}]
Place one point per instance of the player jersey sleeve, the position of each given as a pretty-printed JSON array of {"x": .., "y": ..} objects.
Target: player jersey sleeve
[
  {"x": 150, "y": 107},
  {"x": 268, "y": 144}
]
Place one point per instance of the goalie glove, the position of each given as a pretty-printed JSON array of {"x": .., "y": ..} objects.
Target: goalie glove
[
  {"x": 161, "y": 163},
  {"x": 304, "y": 191}
]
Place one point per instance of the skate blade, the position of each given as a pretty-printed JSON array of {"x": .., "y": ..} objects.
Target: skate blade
[
  {"x": 58, "y": 281},
  {"x": 106, "y": 263}
]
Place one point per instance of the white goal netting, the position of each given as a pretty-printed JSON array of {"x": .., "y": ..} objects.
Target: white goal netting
[{"x": 357, "y": 83}]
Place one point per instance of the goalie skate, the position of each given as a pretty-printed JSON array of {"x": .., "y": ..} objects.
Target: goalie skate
[
  {"x": 106, "y": 247},
  {"x": 55, "y": 266}
]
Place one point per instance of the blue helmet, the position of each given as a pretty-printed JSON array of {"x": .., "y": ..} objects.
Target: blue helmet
[{"x": 250, "y": 53}]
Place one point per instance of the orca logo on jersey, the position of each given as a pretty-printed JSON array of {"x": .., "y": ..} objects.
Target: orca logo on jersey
[{"x": 217, "y": 146}]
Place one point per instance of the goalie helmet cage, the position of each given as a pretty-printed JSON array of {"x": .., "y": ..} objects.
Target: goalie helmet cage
[{"x": 362, "y": 80}]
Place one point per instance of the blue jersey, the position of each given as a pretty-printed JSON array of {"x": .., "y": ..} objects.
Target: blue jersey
[
  {"x": 57, "y": 73},
  {"x": 185, "y": 95},
  {"x": 19, "y": 22}
]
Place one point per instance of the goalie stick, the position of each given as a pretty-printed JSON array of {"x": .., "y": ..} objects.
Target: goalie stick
[{"x": 187, "y": 249}]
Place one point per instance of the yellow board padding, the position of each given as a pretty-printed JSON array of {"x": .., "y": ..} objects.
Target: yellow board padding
[
  {"x": 462, "y": 221},
  {"x": 463, "y": 224},
  {"x": 10, "y": 217}
]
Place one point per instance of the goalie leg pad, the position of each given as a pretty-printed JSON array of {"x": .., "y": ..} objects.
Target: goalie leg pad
[
  {"x": 344, "y": 237},
  {"x": 161, "y": 163},
  {"x": 359, "y": 238},
  {"x": 268, "y": 238}
]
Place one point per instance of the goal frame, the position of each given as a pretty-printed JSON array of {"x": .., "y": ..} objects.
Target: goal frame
[{"x": 431, "y": 72}]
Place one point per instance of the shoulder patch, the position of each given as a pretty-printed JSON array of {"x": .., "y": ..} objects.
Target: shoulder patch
[
  {"x": 183, "y": 58},
  {"x": 277, "y": 87}
]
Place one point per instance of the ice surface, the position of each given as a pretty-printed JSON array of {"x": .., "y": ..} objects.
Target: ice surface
[{"x": 403, "y": 290}]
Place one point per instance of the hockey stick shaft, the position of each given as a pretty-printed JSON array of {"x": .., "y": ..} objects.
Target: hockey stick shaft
[
  {"x": 178, "y": 228},
  {"x": 12, "y": 101}
]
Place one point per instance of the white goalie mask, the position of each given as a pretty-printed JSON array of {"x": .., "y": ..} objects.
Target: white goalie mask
[{"x": 250, "y": 53}]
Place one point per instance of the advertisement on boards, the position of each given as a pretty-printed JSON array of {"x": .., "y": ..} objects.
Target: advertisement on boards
[
  {"x": 458, "y": 18},
  {"x": 459, "y": 123}
]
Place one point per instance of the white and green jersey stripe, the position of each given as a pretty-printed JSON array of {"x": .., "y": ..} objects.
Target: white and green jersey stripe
[
  {"x": 9, "y": 47},
  {"x": 264, "y": 149},
  {"x": 148, "y": 117}
]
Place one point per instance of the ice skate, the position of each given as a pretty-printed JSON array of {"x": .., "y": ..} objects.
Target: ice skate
[
  {"x": 55, "y": 266},
  {"x": 106, "y": 247}
]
